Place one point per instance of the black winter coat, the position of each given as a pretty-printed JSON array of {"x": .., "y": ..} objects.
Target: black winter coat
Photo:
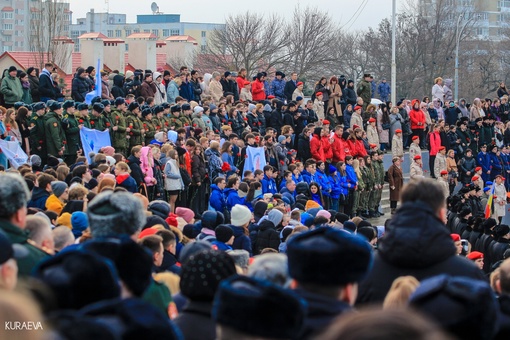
[
  {"x": 350, "y": 95},
  {"x": 195, "y": 321},
  {"x": 46, "y": 86},
  {"x": 303, "y": 150},
  {"x": 416, "y": 243},
  {"x": 136, "y": 171},
  {"x": 80, "y": 89},
  {"x": 276, "y": 121},
  {"x": 504, "y": 319},
  {"x": 118, "y": 87},
  {"x": 497, "y": 249},
  {"x": 267, "y": 237}
]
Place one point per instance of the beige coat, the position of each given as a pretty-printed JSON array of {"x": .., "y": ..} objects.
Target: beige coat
[
  {"x": 215, "y": 90},
  {"x": 414, "y": 150},
  {"x": 372, "y": 135},
  {"x": 318, "y": 107},
  {"x": 439, "y": 165},
  {"x": 297, "y": 93},
  {"x": 451, "y": 165},
  {"x": 499, "y": 200},
  {"x": 356, "y": 119},
  {"x": 334, "y": 96},
  {"x": 444, "y": 186},
  {"x": 416, "y": 171},
  {"x": 246, "y": 95},
  {"x": 397, "y": 147}
]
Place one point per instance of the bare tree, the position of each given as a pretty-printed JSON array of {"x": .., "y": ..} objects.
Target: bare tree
[{"x": 50, "y": 20}]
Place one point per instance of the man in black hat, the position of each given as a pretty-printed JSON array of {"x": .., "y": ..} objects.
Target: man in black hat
[
  {"x": 37, "y": 131},
  {"x": 55, "y": 137},
  {"x": 149, "y": 128},
  {"x": 72, "y": 131},
  {"x": 119, "y": 129},
  {"x": 135, "y": 125},
  {"x": 364, "y": 90},
  {"x": 277, "y": 87},
  {"x": 97, "y": 121},
  {"x": 416, "y": 243},
  {"x": 229, "y": 86},
  {"x": 326, "y": 265}
]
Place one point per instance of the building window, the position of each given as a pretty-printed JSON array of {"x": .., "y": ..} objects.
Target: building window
[
  {"x": 136, "y": 30},
  {"x": 166, "y": 32},
  {"x": 504, "y": 3},
  {"x": 7, "y": 48},
  {"x": 75, "y": 34},
  {"x": 155, "y": 32},
  {"x": 118, "y": 33},
  {"x": 7, "y": 15},
  {"x": 109, "y": 33},
  {"x": 203, "y": 48},
  {"x": 175, "y": 32},
  {"x": 7, "y": 38},
  {"x": 127, "y": 47},
  {"x": 203, "y": 34},
  {"x": 146, "y": 31},
  {"x": 7, "y": 26},
  {"x": 128, "y": 33}
]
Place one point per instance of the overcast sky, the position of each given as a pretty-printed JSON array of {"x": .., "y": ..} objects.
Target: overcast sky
[{"x": 350, "y": 13}]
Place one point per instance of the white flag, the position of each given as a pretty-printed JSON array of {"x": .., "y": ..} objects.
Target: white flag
[
  {"x": 14, "y": 153},
  {"x": 255, "y": 158},
  {"x": 93, "y": 140}
]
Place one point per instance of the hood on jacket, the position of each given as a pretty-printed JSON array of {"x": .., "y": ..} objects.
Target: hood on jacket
[
  {"x": 118, "y": 80},
  {"x": 414, "y": 102},
  {"x": 266, "y": 225},
  {"x": 448, "y": 82},
  {"x": 416, "y": 238},
  {"x": 38, "y": 193}
]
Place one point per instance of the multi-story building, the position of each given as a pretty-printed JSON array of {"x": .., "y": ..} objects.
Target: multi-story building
[
  {"x": 162, "y": 26},
  {"x": 25, "y": 24}
]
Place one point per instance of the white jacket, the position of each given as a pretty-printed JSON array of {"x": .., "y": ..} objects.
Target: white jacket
[{"x": 173, "y": 180}]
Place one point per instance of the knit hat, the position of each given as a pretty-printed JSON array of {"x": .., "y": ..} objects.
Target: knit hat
[
  {"x": 172, "y": 220},
  {"x": 113, "y": 214},
  {"x": 190, "y": 231},
  {"x": 79, "y": 222},
  {"x": 203, "y": 272},
  {"x": 223, "y": 233},
  {"x": 311, "y": 204},
  {"x": 242, "y": 298},
  {"x": 212, "y": 219},
  {"x": 65, "y": 220},
  {"x": 186, "y": 213},
  {"x": 108, "y": 150},
  {"x": 35, "y": 160},
  {"x": 58, "y": 188},
  {"x": 240, "y": 215},
  {"x": 193, "y": 248},
  {"x": 275, "y": 216},
  {"x": 259, "y": 210},
  {"x": 129, "y": 74},
  {"x": 332, "y": 169},
  {"x": 324, "y": 213}
]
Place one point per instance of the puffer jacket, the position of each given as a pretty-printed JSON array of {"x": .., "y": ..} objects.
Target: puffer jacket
[
  {"x": 11, "y": 89},
  {"x": 416, "y": 243},
  {"x": 267, "y": 237}
]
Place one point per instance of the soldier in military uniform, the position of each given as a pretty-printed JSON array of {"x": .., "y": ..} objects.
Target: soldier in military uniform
[
  {"x": 375, "y": 198},
  {"x": 119, "y": 129},
  {"x": 158, "y": 121},
  {"x": 186, "y": 114},
  {"x": 368, "y": 179},
  {"x": 56, "y": 142},
  {"x": 175, "y": 122},
  {"x": 98, "y": 122},
  {"x": 107, "y": 113},
  {"x": 83, "y": 116},
  {"x": 166, "y": 115},
  {"x": 136, "y": 132},
  {"x": 364, "y": 90},
  {"x": 149, "y": 128},
  {"x": 37, "y": 132},
  {"x": 72, "y": 131}
]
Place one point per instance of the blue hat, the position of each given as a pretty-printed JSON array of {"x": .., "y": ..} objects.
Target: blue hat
[
  {"x": 133, "y": 106},
  {"x": 67, "y": 104},
  {"x": 332, "y": 169},
  {"x": 488, "y": 183},
  {"x": 53, "y": 105},
  {"x": 106, "y": 102},
  {"x": 79, "y": 222},
  {"x": 96, "y": 99},
  {"x": 83, "y": 106},
  {"x": 486, "y": 189},
  {"x": 39, "y": 106},
  {"x": 298, "y": 98},
  {"x": 98, "y": 107},
  {"x": 78, "y": 278},
  {"x": 464, "y": 307},
  {"x": 119, "y": 101},
  {"x": 17, "y": 105},
  {"x": 328, "y": 256},
  {"x": 242, "y": 298}
]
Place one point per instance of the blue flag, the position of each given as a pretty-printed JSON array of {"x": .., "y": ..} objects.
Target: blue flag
[
  {"x": 97, "y": 91},
  {"x": 93, "y": 140},
  {"x": 255, "y": 158},
  {"x": 13, "y": 152}
]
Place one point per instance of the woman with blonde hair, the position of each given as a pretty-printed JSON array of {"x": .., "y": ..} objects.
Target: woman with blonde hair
[
  {"x": 476, "y": 110},
  {"x": 173, "y": 180},
  {"x": 11, "y": 126},
  {"x": 123, "y": 178},
  {"x": 400, "y": 291},
  {"x": 437, "y": 89},
  {"x": 62, "y": 172}
]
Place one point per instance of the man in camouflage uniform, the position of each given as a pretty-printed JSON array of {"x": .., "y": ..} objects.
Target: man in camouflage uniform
[
  {"x": 149, "y": 128},
  {"x": 166, "y": 115},
  {"x": 158, "y": 121},
  {"x": 37, "y": 132},
  {"x": 55, "y": 135},
  {"x": 186, "y": 115},
  {"x": 72, "y": 131},
  {"x": 106, "y": 114},
  {"x": 364, "y": 90},
  {"x": 119, "y": 129},
  {"x": 368, "y": 180},
  {"x": 175, "y": 122},
  {"x": 83, "y": 116},
  {"x": 136, "y": 132},
  {"x": 97, "y": 121}
]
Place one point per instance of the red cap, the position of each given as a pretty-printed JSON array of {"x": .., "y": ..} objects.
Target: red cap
[
  {"x": 415, "y": 137},
  {"x": 441, "y": 148},
  {"x": 475, "y": 255},
  {"x": 326, "y": 122},
  {"x": 147, "y": 232},
  {"x": 478, "y": 168},
  {"x": 417, "y": 157},
  {"x": 372, "y": 145},
  {"x": 371, "y": 120},
  {"x": 172, "y": 220},
  {"x": 444, "y": 172},
  {"x": 271, "y": 97},
  {"x": 357, "y": 107},
  {"x": 299, "y": 83},
  {"x": 318, "y": 94},
  {"x": 398, "y": 131},
  {"x": 455, "y": 237}
]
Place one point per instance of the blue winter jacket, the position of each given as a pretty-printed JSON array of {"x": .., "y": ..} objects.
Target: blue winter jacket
[
  {"x": 336, "y": 187},
  {"x": 233, "y": 198},
  {"x": 323, "y": 181},
  {"x": 484, "y": 160},
  {"x": 217, "y": 199},
  {"x": 351, "y": 175},
  {"x": 308, "y": 177},
  {"x": 241, "y": 241},
  {"x": 268, "y": 185}
]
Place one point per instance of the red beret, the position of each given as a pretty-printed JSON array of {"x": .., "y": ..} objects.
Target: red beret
[
  {"x": 455, "y": 237},
  {"x": 147, "y": 232},
  {"x": 503, "y": 178},
  {"x": 478, "y": 168},
  {"x": 299, "y": 83},
  {"x": 442, "y": 148},
  {"x": 444, "y": 172},
  {"x": 357, "y": 107},
  {"x": 318, "y": 94},
  {"x": 354, "y": 127},
  {"x": 417, "y": 157},
  {"x": 271, "y": 97},
  {"x": 372, "y": 145},
  {"x": 415, "y": 137},
  {"x": 398, "y": 131},
  {"x": 326, "y": 122},
  {"x": 475, "y": 178},
  {"x": 475, "y": 255},
  {"x": 371, "y": 120}
]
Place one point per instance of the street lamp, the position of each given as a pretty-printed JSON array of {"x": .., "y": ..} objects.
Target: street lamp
[{"x": 393, "y": 52}]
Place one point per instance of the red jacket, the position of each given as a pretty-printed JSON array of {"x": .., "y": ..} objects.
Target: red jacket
[
  {"x": 316, "y": 149},
  {"x": 326, "y": 147},
  {"x": 351, "y": 146},
  {"x": 240, "y": 83},
  {"x": 338, "y": 147},
  {"x": 360, "y": 148},
  {"x": 417, "y": 116},
  {"x": 435, "y": 143},
  {"x": 257, "y": 90}
]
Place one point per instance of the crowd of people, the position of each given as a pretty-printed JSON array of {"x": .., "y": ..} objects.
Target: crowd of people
[{"x": 173, "y": 223}]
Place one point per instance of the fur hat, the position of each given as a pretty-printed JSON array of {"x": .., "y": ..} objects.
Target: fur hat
[
  {"x": 464, "y": 307},
  {"x": 114, "y": 214},
  {"x": 241, "y": 298},
  {"x": 328, "y": 256},
  {"x": 240, "y": 215},
  {"x": 213, "y": 266}
]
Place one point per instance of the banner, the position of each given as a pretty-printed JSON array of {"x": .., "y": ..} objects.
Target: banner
[
  {"x": 93, "y": 140},
  {"x": 255, "y": 158},
  {"x": 14, "y": 153},
  {"x": 97, "y": 90}
]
